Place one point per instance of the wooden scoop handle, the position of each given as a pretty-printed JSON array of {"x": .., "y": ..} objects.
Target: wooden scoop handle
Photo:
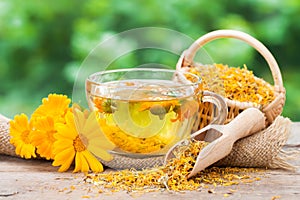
[{"x": 246, "y": 123}]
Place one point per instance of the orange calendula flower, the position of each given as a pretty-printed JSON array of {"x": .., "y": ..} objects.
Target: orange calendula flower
[
  {"x": 104, "y": 105},
  {"x": 55, "y": 106},
  {"x": 42, "y": 136},
  {"x": 69, "y": 144},
  {"x": 20, "y": 129}
]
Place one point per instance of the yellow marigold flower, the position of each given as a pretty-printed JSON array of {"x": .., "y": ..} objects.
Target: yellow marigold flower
[
  {"x": 42, "y": 136},
  {"x": 55, "y": 106},
  {"x": 92, "y": 135},
  {"x": 20, "y": 129},
  {"x": 69, "y": 145}
]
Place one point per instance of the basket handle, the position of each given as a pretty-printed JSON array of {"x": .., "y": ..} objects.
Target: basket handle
[{"x": 188, "y": 55}]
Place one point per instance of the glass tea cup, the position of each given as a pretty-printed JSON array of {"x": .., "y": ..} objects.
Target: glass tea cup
[{"x": 145, "y": 111}]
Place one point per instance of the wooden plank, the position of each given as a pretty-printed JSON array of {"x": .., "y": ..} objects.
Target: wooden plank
[{"x": 37, "y": 179}]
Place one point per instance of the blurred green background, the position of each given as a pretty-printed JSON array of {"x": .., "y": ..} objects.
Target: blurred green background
[{"x": 43, "y": 43}]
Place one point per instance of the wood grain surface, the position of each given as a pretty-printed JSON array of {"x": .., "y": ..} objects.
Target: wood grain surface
[{"x": 37, "y": 179}]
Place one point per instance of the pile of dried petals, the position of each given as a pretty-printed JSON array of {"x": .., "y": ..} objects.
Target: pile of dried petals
[
  {"x": 239, "y": 84},
  {"x": 172, "y": 176}
]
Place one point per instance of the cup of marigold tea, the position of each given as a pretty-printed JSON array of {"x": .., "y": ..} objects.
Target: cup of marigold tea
[{"x": 144, "y": 111}]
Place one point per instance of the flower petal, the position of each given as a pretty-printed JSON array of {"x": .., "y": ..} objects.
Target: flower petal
[
  {"x": 79, "y": 118},
  {"x": 81, "y": 163},
  {"x": 100, "y": 152},
  {"x": 94, "y": 164},
  {"x": 78, "y": 162},
  {"x": 64, "y": 159},
  {"x": 64, "y": 155}
]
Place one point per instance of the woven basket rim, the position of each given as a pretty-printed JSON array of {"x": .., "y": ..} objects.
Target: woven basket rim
[
  {"x": 275, "y": 107},
  {"x": 188, "y": 55}
]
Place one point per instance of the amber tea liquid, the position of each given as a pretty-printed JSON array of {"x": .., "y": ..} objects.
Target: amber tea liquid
[{"x": 144, "y": 116}]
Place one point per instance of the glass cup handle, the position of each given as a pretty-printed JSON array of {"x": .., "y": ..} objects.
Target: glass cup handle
[{"x": 221, "y": 106}]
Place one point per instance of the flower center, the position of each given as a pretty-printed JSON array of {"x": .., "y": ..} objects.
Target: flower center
[{"x": 78, "y": 145}]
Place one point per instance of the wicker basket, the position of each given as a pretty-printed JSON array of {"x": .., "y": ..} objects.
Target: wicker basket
[{"x": 271, "y": 110}]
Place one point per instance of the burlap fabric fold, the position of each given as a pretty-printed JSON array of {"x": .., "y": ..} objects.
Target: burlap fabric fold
[
  {"x": 5, "y": 147},
  {"x": 262, "y": 149}
]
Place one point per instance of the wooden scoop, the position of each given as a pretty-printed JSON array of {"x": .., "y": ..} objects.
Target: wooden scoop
[{"x": 222, "y": 137}]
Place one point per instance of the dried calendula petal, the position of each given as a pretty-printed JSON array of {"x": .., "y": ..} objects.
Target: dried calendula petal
[
  {"x": 239, "y": 84},
  {"x": 172, "y": 176},
  {"x": 276, "y": 197}
]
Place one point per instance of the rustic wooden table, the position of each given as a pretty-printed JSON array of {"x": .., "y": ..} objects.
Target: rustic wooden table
[{"x": 37, "y": 179}]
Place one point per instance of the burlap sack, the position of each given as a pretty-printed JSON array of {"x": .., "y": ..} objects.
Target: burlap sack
[
  {"x": 5, "y": 147},
  {"x": 262, "y": 149}
]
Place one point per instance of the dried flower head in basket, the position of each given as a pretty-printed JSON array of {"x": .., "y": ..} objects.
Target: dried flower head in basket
[{"x": 241, "y": 88}]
